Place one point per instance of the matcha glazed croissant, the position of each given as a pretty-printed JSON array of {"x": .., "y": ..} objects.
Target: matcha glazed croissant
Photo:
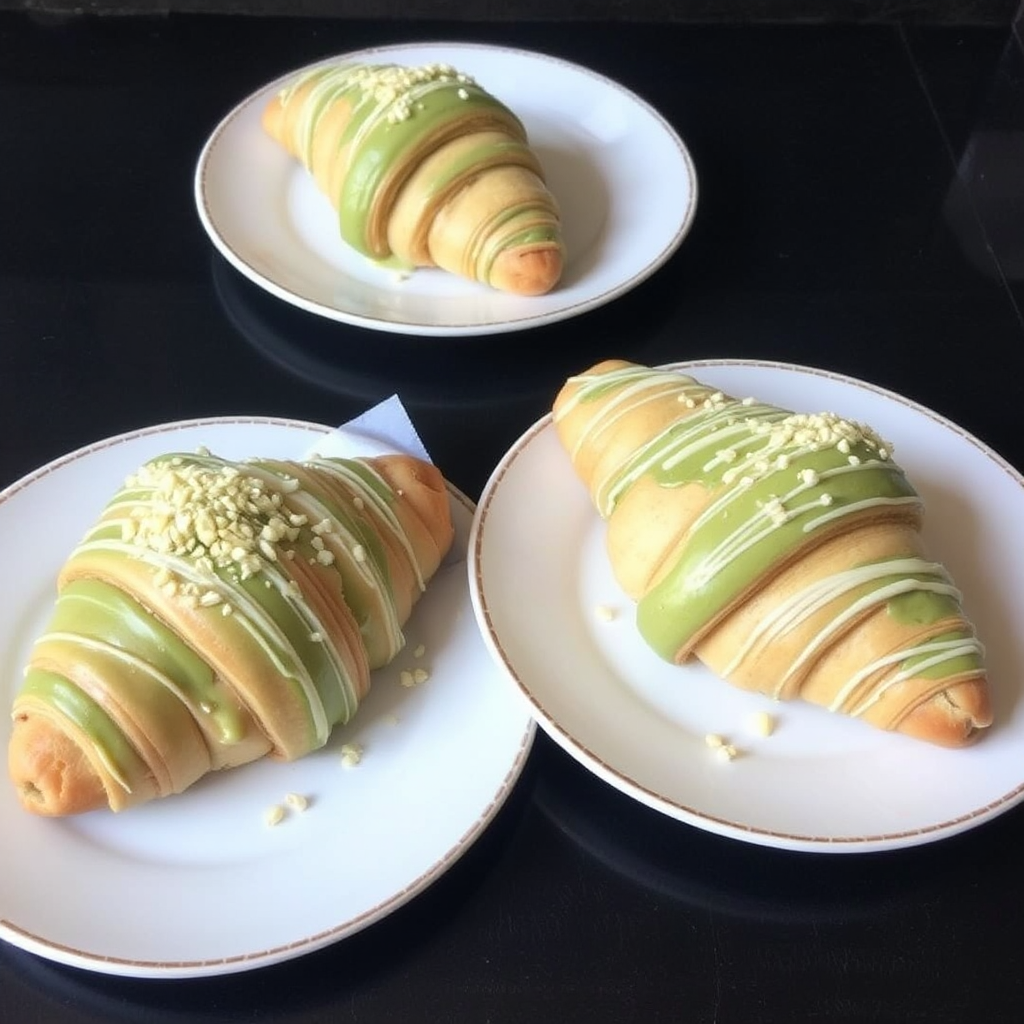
[
  {"x": 218, "y": 612},
  {"x": 781, "y": 549},
  {"x": 424, "y": 168}
]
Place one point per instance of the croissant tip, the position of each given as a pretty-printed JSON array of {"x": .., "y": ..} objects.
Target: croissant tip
[{"x": 529, "y": 273}]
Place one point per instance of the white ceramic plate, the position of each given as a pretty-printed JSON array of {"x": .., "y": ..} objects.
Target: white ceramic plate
[
  {"x": 820, "y": 782},
  {"x": 199, "y": 884},
  {"x": 622, "y": 176}
]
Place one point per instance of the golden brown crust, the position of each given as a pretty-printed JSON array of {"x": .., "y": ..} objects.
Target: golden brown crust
[
  {"x": 955, "y": 717},
  {"x": 527, "y": 272},
  {"x": 425, "y": 508},
  {"x": 51, "y": 774}
]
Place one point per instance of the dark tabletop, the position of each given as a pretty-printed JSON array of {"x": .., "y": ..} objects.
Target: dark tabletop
[{"x": 861, "y": 209}]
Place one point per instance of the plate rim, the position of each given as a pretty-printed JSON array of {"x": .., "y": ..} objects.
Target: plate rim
[
  {"x": 60, "y": 952},
  {"x": 439, "y": 329},
  {"x": 674, "y": 809}
]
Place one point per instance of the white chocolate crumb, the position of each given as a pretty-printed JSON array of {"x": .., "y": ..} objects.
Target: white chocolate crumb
[
  {"x": 605, "y": 613},
  {"x": 405, "y": 678},
  {"x": 351, "y": 754},
  {"x": 419, "y": 651},
  {"x": 726, "y": 752},
  {"x": 273, "y": 815},
  {"x": 297, "y": 801},
  {"x": 762, "y": 723},
  {"x": 420, "y": 675},
  {"x": 714, "y": 740}
]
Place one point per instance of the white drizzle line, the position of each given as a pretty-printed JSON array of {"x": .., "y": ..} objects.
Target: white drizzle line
[
  {"x": 341, "y": 537},
  {"x": 321, "y": 97},
  {"x": 812, "y": 598},
  {"x": 338, "y": 537},
  {"x": 142, "y": 666},
  {"x": 941, "y": 650},
  {"x": 120, "y": 654},
  {"x": 658, "y": 451},
  {"x": 587, "y": 382},
  {"x": 368, "y": 494},
  {"x": 876, "y": 597},
  {"x": 857, "y": 506},
  {"x": 619, "y": 404},
  {"x": 253, "y": 619}
]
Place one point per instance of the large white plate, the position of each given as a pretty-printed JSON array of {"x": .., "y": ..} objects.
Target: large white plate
[
  {"x": 623, "y": 178},
  {"x": 198, "y": 883},
  {"x": 821, "y": 782}
]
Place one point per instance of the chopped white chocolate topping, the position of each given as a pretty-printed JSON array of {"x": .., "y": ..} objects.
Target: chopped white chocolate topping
[
  {"x": 419, "y": 651},
  {"x": 273, "y": 815},
  {"x": 762, "y": 723},
  {"x": 297, "y": 801},
  {"x": 714, "y": 740},
  {"x": 216, "y": 516},
  {"x": 726, "y": 752},
  {"x": 351, "y": 754},
  {"x": 819, "y": 430},
  {"x": 605, "y": 613},
  {"x": 420, "y": 675},
  {"x": 392, "y": 86}
]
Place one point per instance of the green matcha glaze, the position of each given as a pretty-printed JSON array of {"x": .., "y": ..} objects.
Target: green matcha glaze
[
  {"x": 488, "y": 153},
  {"x": 309, "y": 648},
  {"x": 740, "y": 542},
  {"x": 357, "y": 579},
  {"x": 922, "y": 608},
  {"x": 97, "y": 610},
  {"x": 387, "y": 142},
  {"x": 109, "y": 743}
]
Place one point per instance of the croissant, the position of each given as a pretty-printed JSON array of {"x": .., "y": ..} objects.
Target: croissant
[
  {"x": 218, "y": 612},
  {"x": 781, "y": 549},
  {"x": 424, "y": 168}
]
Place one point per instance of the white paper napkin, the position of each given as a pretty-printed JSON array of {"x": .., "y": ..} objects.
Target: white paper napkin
[{"x": 384, "y": 428}]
